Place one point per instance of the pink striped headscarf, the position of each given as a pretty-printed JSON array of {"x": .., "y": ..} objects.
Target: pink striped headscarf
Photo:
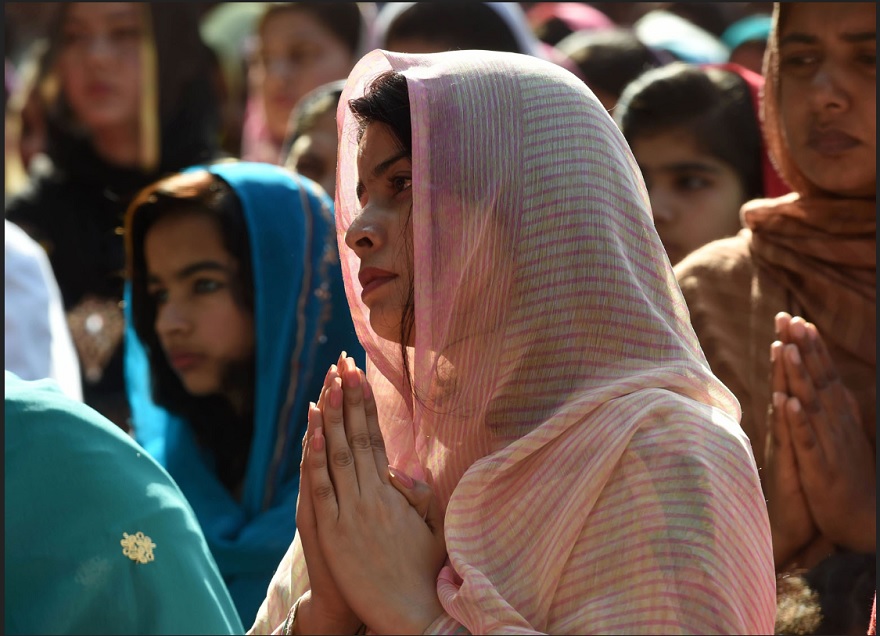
[{"x": 593, "y": 471}]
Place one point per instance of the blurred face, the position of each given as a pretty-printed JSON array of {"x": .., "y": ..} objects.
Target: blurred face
[
  {"x": 749, "y": 55},
  {"x": 417, "y": 45},
  {"x": 381, "y": 234},
  {"x": 99, "y": 63},
  {"x": 201, "y": 327},
  {"x": 313, "y": 154},
  {"x": 297, "y": 54},
  {"x": 695, "y": 197},
  {"x": 827, "y": 84}
]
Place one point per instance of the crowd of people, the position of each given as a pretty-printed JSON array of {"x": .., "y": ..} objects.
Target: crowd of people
[{"x": 440, "y": 317}]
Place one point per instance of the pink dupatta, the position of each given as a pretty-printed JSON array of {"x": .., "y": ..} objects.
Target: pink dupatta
[{"x": 594, "y": 474}]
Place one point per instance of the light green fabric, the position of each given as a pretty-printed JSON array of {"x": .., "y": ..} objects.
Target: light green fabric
[{"x": 74, "y": 483}]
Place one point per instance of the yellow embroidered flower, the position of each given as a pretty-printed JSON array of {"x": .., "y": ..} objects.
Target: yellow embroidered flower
[{"x": 138, "y": 547}]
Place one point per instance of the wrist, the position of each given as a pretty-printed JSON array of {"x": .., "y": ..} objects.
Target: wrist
[{"x": 313, "y": 617}]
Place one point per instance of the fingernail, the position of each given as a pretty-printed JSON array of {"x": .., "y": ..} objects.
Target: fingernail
[
  {"x": 793, "y": 354},
  {"x": 352, "y": 379},
  {"x": 795, "y": 405},
  {"x": 336, "y": 395},
  {"x": 774, "y": 351},
  {"x": 402, "y": 477},
  {"x": 318, "y": 439},
  {"x": 778, "y": 400},
  {"x": 777, "y": 321}
]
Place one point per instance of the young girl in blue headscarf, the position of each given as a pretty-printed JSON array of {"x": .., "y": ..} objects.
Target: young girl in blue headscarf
[{"x": 235, "y": 306}]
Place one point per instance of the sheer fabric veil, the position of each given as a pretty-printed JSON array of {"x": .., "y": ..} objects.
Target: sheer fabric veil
[{"x": 593, "y": 471}]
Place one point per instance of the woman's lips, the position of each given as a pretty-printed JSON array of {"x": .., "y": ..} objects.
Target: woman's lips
[
  {"x": 98, "y": 90},
  {"x": 371, "y": 278},
  {"x": 831, "y": 142},
  {"x": 375, "y": 284}
]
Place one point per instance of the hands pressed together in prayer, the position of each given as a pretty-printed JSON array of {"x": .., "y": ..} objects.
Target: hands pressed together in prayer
[
  {"x": 372, "y": 537},
  {"x": 819, "y": 462}
]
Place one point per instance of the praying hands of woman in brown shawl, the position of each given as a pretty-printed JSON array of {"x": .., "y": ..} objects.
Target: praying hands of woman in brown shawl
[{"x": 818, "y": 460}]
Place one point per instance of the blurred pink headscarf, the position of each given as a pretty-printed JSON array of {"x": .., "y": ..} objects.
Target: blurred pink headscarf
[{"x": 593, "y": 473}]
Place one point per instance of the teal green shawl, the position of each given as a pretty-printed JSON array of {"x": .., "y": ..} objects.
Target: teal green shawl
[
  {"x": 302, "y": 322},
  {"x": 75, "y": 486}
]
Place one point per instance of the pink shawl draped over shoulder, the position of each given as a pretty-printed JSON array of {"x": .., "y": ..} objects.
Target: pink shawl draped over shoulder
[{"x": 593, "y": 472}]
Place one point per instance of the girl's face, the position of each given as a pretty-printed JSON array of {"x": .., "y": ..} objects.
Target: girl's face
[
  {"x": 827, "y": 94},
  {"x": 100, "y": 62},
  {"x": 297, "y": 54},
  {"x": 381, "y": 235},
  {"x": 202, "y": 329},
  {"x": 695, "y": 197},
  {"x": 313, "y": 154}
]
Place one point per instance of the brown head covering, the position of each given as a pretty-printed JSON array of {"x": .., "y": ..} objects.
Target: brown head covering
[{"x": 806, "y": 253}]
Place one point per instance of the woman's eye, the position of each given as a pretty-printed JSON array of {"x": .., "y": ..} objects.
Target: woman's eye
[
  {"x": 869, "y": 59},
  {"x": 401, "y": 183},
  {"x": 798, "y": 62},
  {"x": 120, "y": 35}
]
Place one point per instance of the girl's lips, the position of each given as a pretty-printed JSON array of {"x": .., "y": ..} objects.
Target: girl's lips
[{"x": 184, "y": 361}]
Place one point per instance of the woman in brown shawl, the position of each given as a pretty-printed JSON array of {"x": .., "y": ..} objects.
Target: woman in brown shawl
[{"x": 811, "y": 255}]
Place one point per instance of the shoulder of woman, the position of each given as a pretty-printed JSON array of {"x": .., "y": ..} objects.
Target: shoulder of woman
[{"x": 726, "y": 261}]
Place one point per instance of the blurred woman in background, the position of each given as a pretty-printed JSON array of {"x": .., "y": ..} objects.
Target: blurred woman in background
[
  {"x": 128, "y": 96},
  {"x": 299, "y": 46}
]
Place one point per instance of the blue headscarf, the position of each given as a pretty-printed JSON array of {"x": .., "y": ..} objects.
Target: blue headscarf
[{"x": 301, "y": 322}]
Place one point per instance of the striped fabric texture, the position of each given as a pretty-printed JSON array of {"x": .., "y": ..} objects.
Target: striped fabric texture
[{"x": 593, "y": 472}]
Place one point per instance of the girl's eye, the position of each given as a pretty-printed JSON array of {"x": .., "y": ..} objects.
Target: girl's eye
[
  {"x": 206, "y": 286},
  {"x": 691, "y": 183},
  {"x": 158, "y": 296}
]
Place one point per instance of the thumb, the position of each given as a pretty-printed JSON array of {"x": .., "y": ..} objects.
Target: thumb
[{"x": 420, "y": 496}]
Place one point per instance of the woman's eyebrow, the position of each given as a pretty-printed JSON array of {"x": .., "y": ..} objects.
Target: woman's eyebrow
[
  {"x": 384, "y": 165},
  {"x": 852, "y": 36}
]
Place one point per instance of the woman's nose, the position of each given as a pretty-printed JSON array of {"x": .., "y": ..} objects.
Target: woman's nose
[
  {"x": 100, "y": 46},
  {"x": 363, "y": 235},
  {"x": 828, "y": 88}
]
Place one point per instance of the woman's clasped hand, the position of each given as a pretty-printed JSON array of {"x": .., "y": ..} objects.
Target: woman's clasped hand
[
  {"x": 372, "y": 536},
  {"x": 818, "y": 456}
]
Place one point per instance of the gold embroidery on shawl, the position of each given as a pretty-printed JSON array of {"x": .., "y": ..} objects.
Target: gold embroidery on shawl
[{"x": 138, "y": 547}]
